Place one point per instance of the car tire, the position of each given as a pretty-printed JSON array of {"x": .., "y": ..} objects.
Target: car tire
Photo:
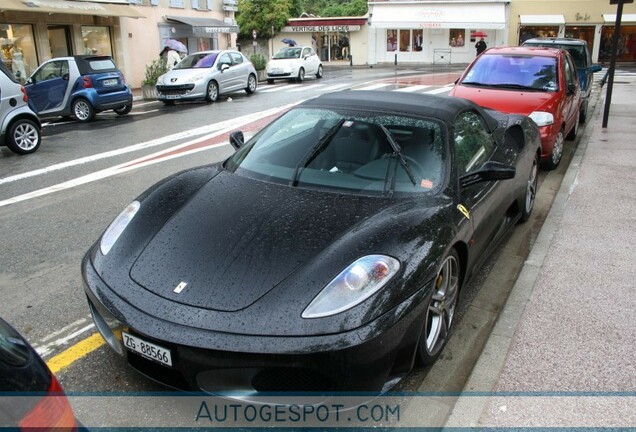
[
  {"x": 319, "y": 72},
  {"x": 583, "y": 113},
  {"x": 251, "y": 84},
  {"x": 575, "y": 130},
  {"x": 212, "y": 92},
  {"x": 530, "y": 196},
  {"x": 270, "y": 81},
  {"x": 24, "y": 136},
  {"x": 83, "y": 111},
  {"x": 301, "y": 75},
  {"x": 123, "y": 110},
  {"x": 440, "y": 310},
  {"x": 557, "y": 153}
]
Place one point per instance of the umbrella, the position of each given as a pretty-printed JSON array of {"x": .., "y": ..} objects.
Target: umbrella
[
  {"x": 478, "y": 34},
  {"x": 176, "y": 45},
  {"x": 289, "y": 42}
]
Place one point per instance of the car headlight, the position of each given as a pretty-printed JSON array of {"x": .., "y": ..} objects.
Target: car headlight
[
  {"x": 542, "y": 118},
  {"x": 359, "y": 281},
  {"x": 118, "y": 226}
]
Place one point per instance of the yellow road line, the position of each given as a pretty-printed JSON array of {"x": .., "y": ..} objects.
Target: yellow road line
[{"x": 75, "y": 352}]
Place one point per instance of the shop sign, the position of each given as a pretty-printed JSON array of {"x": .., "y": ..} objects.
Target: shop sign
[
  {"x": 326, "y": 28},
  {"x": 431, "y": 25},
  {"x": 213, "y": 30}
]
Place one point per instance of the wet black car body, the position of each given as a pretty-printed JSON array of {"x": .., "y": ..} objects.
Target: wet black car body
[{"x": 325, "y": 254}]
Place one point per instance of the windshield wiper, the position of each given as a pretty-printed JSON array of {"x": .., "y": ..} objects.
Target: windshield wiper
[
  {"x": 315, "y": 151},
  {"x": 501, "y": 85},
  {"x": 397, "y": 152}
]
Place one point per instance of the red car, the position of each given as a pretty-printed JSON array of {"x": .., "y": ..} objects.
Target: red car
[{"x": 538, "y": 82}]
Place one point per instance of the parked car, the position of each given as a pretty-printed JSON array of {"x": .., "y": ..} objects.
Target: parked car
[
  {"x": 31, "y": 398},
  {"x": 206, "y": 75},
  {"x": 537, "y": 82},
  {"x": 582, "y": 57},
  {"x": 360, "y": 216},
  {"x": 19, "y": 125},
  {"x": 78, "y": 86},
  {"x": 294, "y": 64}
]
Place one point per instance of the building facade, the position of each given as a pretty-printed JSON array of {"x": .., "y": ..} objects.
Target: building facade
[{"x": 133, "y": 32}]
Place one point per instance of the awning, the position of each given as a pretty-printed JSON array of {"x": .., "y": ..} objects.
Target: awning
[
  {"x": 204, "y": 26},
  {"x": 485, "y": 16},
  {"x": 70, "y": 7},
  {"x": 542, "y": 19},
  {"x": 625, "y": 18}
]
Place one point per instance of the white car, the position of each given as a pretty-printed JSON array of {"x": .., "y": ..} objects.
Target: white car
[{"x": 294, "y": 63}]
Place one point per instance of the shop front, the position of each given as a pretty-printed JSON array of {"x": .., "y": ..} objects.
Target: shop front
[
  {"x": 439, "y": 32},
  {"x": 626, "y": 50},
  {"x": 35, "y": 31},
  {"x": 198, "y": 34},
  {"x": 533, "y": 26},
  {"x": 335, "y": 40}
]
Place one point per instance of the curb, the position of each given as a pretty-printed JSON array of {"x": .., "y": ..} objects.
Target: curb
[{"x": 467, "y": 412}]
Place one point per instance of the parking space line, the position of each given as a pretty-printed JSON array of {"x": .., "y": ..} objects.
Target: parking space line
[{"x": 75, "y": 352}]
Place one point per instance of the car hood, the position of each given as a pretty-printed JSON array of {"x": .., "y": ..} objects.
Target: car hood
[
  {"x": 508, "y": 101},
  {"x": 281, "y": 63},
  {"x": 183, "y": 75},
  {"x": 236, "y": 239}
]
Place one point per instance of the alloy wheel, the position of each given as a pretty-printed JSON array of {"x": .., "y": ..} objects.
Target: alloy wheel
[
  {"x": 26, "y": 136},
  {"x": 557, "y": 150},
  {"x": 441, "y": 307},
  {"x": 531, "y": 189},
  {"x": 82, "y": 110}
]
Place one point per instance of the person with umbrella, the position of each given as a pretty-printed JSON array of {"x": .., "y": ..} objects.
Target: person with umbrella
[{"x": 480, "y": 46}]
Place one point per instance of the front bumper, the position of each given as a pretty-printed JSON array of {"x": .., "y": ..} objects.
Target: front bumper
[
  {"x": 180, "y": 92},
  {"x": 370, "y": 358}
]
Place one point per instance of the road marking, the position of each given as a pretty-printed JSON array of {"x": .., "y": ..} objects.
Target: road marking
[
  {"x": 444, "y": 89},
  {"x": 305, "y": 87},
  {"x": 374, "y": 86},
  {"x": 240, "y": 121},
  {"x": 413, "y": 88},
  {"x": 336, "y": 87},
  {"x": 48, "y": 348},
  {"x": 273, "y": 89},
  {"x": 63, "y": 329},
  {"x": 75, "y": 352}
]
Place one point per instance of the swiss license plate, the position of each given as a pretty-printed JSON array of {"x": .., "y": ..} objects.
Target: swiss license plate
[
  {"x": 147, "y": 349},
  {"x": 276, "y": 71},
  {"x": 171, "y": 96},
  {"x": 110, "y": 82}
]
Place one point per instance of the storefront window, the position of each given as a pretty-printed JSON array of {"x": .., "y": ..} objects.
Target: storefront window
[
  {"x": 626, "y": 50},
  {"x": 17, "y": 49},
  {"x": 97, "y": 40},
  {"x": 529, "y": 32},
  {"x": 418, "y": 39},
  {"x": 457, "y": 37},
  {"x": 391, "y": 40},
  {"x": 405, "y": 38}
]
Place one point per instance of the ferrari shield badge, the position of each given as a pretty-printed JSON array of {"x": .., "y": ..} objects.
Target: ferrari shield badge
[
  {"x": 463, "y": 210},
  {"x": 180, "y": 287}
]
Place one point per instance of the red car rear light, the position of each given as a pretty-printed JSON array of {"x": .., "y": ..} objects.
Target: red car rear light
[
  {"x": 88, "y": 81},
  {"x": 25, "y": 96},
  {"x": 52, "y": 413}
]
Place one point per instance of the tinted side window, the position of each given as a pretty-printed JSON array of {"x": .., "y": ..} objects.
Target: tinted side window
[
  {"x": 570, "y": 75},
  {"x": 225, "y": 59},
  {"x": 98, "y": 65},
  {"x": 473, "y": 144},
  {"x": 236, "y": 58}
]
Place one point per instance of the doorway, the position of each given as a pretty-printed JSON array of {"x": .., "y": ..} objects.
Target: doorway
[{"x": 60, "y": 41}]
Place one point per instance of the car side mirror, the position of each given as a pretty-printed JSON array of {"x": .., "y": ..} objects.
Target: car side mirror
[
  {"x": 65, "y": 77},
  {"x": 489, "y": 171},
  {"x": 595, "y": 68},
  {"x": 571, "y": 89},
  {"x": 237, "y": 139},
  {"x": 224, "y": 67},
  {"x": 30, "y": 80}
]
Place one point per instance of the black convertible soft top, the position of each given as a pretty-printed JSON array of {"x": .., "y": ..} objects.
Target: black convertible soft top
[{"x": 445, "y": 108}]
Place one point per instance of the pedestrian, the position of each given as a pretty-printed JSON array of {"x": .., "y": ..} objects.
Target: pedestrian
[
  {"x": 172, "y": 58},
  {"x": 480, "y": 46}
]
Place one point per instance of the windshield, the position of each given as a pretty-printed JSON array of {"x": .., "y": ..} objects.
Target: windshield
[
  {"x": 288, "y": 53},
  {"x": 514, "y": 71},
  {"x": 197, "y": 61},
  {"x": 352, "y": 151}
]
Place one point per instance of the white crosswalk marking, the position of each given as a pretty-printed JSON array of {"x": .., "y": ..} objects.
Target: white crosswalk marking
[
  {"x": 336, "y": 87},
  {"x": 374, "y": 86},
  {"x": 305, "y": 87},
  {"x": 413, "y": 88},
  {"x": 444, "y": 89},
  {"x": 270, "y": 89}
]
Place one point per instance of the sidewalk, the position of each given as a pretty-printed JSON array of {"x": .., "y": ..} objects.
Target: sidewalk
[{"x": 569, "y": 325}]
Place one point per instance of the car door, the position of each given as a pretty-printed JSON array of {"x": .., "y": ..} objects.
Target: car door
[
  {"x": 308, "y": 61},
  {"x": 225, "y": 74},
  {"x": 47, "y": 87},
  {"x": 572, "y": 102},
  {"x": 480, "y": 202},
  {"x": 241, "y": 70}
]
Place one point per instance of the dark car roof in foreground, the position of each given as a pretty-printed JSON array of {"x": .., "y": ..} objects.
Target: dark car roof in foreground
[{"x": 445, "y": 108}]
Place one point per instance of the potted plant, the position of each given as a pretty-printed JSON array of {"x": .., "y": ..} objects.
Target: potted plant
[
  {"x": 259, "y": 62},
  {"x": 153, "y": 71}
]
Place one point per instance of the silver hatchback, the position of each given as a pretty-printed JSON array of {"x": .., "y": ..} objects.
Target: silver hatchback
[
  {"x": 206, "y": 75},
  {"x": 19, "y": 125}
]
